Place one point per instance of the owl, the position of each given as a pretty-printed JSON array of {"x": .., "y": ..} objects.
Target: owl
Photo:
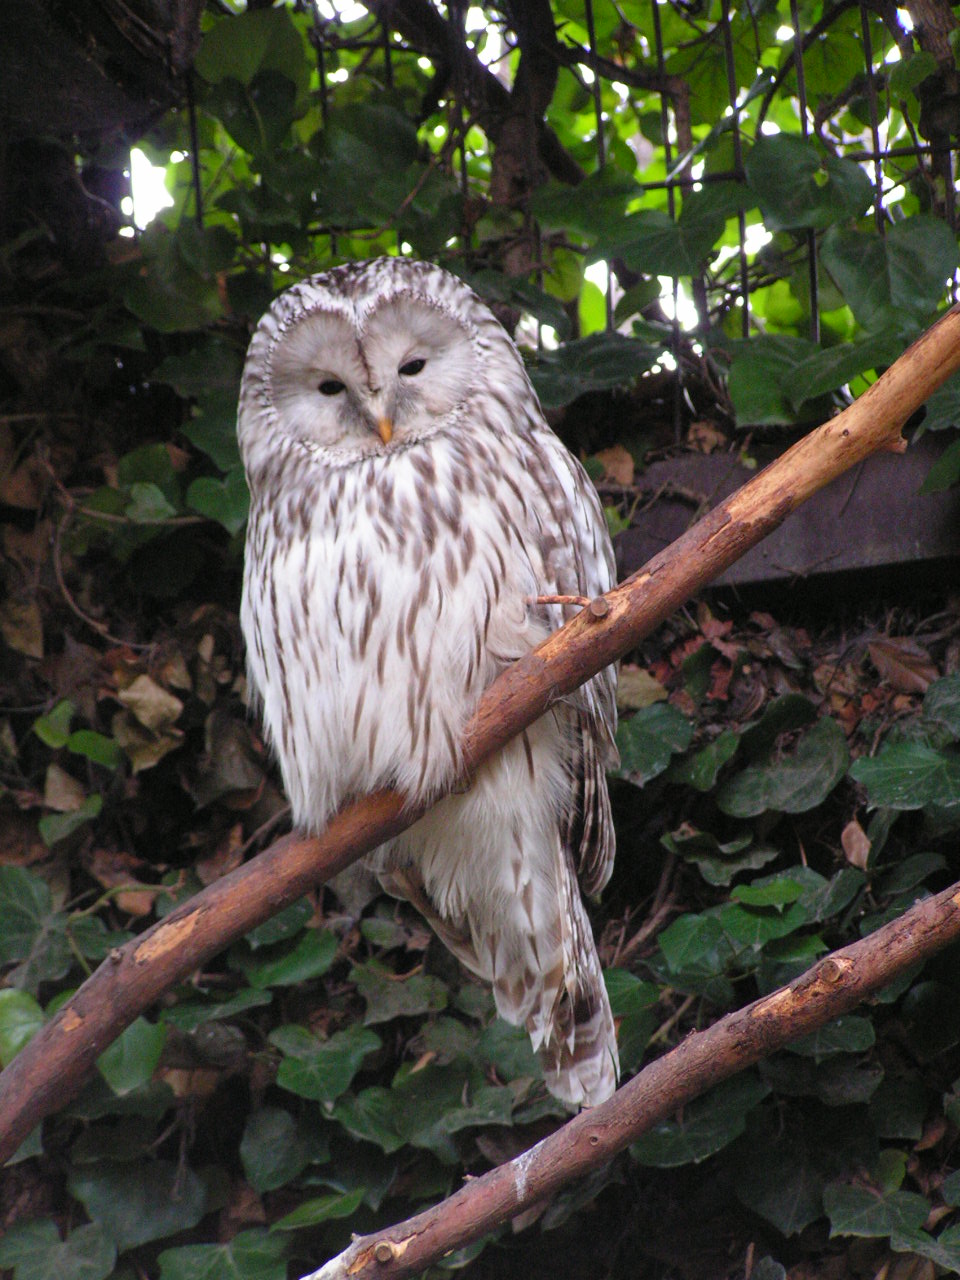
[{"x": 409, "y": 508}]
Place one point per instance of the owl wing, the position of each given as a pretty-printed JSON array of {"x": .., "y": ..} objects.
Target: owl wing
[{"x": 578, "y": 560}]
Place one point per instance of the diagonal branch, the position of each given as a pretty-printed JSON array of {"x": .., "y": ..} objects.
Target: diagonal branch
[
  {"x": 832, "y": 987},
  {"x": 52, "y": 1067}
]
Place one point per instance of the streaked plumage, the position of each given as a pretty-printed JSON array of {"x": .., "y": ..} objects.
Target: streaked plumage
[{"x": 408, "y": 503}]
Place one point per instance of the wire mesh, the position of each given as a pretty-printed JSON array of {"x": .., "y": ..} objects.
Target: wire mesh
[{"x": 892, "y": 159}]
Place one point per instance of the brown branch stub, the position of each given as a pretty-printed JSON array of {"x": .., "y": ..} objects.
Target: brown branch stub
[
  {"x": 51, "y": 1068},
  {"x": 831, "y": 988}
]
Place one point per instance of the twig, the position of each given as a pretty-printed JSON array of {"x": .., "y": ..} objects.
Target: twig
[{"x": 51, "y": 1068}]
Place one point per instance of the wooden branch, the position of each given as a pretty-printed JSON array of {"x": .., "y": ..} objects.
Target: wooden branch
[
  {"x": 832, "y": 987},
  {"x": 52, "y": 1067}
]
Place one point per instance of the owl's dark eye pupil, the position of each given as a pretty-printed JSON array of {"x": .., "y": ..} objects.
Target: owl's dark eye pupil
[
  {"x": 412, "y": 368},
  {"x": 330, "y": 387}
]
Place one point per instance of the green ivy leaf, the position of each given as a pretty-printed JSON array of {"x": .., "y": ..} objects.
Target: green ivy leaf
[
  {"x": 371, "y": 1115},
  {"x": 95, "y": 747},
  {"x": 757, "y": 373},
  {"x": 57, "y": 826},
  {"x": 860, "y": 1211},
  {"x": 310, "y": 957},
  {"x": 776, "y": 1177},
  {"x": 701, "y": 770},
  {"x": 883, "y": 279},
  {"x": 274, "y": 1148},
  {"x": 285, "y": 924},
  {"x": 389, "y": 996},
  {"x": 647, "y": 740},
  {"x": 943, "y": 407},
  {"x": 250, "y": 1255},
  {"x": 772, "y": 891},
  {"x": 909, "y": 775},
  {"x": 941, "y": 704},
  {"x": 718, "y": 863},
  {"x": 35, "y": 1251},
  {"x": 54, "y": 728},
  {"x": 31, "y": 932},
  {"x": 227, "y": 501},
  {"x": 131, "y": 1060},
  {"x": 753, "y": 927},
  {"x": 849, "y": 1034},
  {"x": 321, "y": 1069},
  {"x": 190, "y": 1014},
  {"x": 20, "y": 1020},
  {"x": 945, "y": 472},
  {"x": 821, "y": 189},
  {"x": 708, "y": 1124},
  {"x": 321, "y": 1209},
  {"x": 597, "y": 363},
  {"x": 141, "y": 1202},
  {"x": 794, "y": 784},
  {"x": 240, "y": 46},
  {"x": 944, "y": 1250}
]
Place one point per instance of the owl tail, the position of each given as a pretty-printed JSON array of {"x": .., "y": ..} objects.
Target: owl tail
[
  {"x": 536, "y": 949},
  {"x": 572, "y": 1026}
]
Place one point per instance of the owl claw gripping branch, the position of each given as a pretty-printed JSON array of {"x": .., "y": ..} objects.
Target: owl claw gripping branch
[{"x": 409, "y": 504}]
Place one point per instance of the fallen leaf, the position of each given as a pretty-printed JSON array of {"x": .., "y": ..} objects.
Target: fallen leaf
[
  {"x": 61, "y": 791},
  {"x": 153, "y": 706},
  {"x": 111, "y": 869},
  {"x": 20, "y": 842},
  {"x": 226, "y": 856},
  {"x": 21, "y": 625},
  {"x": 705, "y": 436},
  {"x": 618, "y": 464},
  {"x": 637, "y": 688},
  {"x": 144, "y": 749},
  {"x": 855, "y": 844},
  {"x": 903, "y": 664}
]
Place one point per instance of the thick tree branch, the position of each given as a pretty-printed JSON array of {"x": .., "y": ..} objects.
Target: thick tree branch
[
  {"x": 51, "y": 1068},
  {"x": 832, "y": 987},
  {"x": 486, "y": 97}
]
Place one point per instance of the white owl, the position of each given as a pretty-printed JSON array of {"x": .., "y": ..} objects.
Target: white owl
[{"x": 408, "y": 506}]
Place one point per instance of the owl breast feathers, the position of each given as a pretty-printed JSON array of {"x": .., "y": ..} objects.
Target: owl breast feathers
[{"x": 408, "y": 506}]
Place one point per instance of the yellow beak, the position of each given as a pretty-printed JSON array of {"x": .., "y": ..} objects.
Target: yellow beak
[{"x": 385, "y": 427}]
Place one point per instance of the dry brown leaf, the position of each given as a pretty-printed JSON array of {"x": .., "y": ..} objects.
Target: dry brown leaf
[
  {"x": 21, "y": 625},
  {"x": 903, "y": 664},
  {"x": 704, "y": 436},
  {"x": 144, "y": 749},
  {"x": 111, "y": 869},
  {"x": 199, "y": 1082},
  {"x": 227, "y": 855},
  {"x": 61, "y": 791},
  {"x": 155, "y": 707},
  {"x": 855, "y": 844},
  {"x": 618, "y": 464},
  {"x": 20, "y": 842},
  {"x": 637, "y": 688}
]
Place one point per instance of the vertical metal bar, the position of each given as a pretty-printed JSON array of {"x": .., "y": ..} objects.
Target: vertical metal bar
[
  {"x": 387, "y": 57},
  {"x": 874, "y": 117},
  {"x": 737, "y": 157},
  {"x": 194, "y": 150},
  {"x": 601, "y": 142},
  {"x": 456, "y": 11},
  {"x": 322, "y": 73},
  {"x": 672, "y": 210},
  {"x": 805, "y": 133}
]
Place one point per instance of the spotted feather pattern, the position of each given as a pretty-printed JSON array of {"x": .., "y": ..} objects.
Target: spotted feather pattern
[{"x": 388, "y": 583}]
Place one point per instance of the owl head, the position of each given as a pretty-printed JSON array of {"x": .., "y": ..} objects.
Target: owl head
[{"x": 369, "y": 358}]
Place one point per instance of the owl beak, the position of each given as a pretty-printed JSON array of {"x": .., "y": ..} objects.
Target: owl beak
[{"x": 385, "y": 428}]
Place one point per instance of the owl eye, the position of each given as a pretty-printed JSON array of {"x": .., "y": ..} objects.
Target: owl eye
[
  {"x": 331, "y": 387},
  {"x": 412, "y": 368}
]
